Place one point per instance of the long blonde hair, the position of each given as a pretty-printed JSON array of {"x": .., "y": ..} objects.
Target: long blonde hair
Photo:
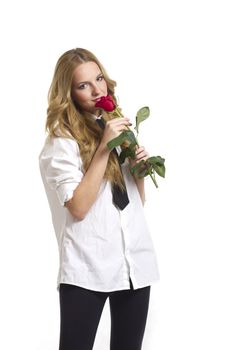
[{"x": 67, "y": 118}]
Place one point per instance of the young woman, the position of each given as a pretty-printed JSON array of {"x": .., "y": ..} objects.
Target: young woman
[{"x": 105, "y": 249}]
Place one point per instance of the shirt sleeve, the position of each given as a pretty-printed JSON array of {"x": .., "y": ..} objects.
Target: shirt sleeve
[{"x": 61, "y": 165}]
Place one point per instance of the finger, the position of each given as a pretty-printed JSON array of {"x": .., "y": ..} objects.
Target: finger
[
  {"x": 140, "y": 149},
  {"x": 142, "y": 156},
  {"x": 142, "y": 153},
  {"x": 122, "y": 126},
  {"x": 120, "y": 121}
]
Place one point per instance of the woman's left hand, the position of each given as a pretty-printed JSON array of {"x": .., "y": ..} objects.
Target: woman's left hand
[{"x": 141, "y": 154}]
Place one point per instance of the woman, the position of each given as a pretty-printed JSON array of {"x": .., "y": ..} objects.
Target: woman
[{"x": 105, "y": 250}]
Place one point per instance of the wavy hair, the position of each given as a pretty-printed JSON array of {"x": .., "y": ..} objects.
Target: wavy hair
[{"x": 66, "y": 119}]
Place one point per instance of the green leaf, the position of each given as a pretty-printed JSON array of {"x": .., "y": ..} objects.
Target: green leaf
[
  {"x": 156, "y": 160},
  {"x": 157, "y": 164},
  {"x": 117, "y": 141},
  {"x": 150, "y": 166},
  {"x": 145, "y": 171},
  {"x": 142, "y": 114},
  {"x": 141, "y": 169},
  {"x": 160, "y": 170},
  {"x": 132, "y": 139},
  {"x": 135, "y": 170},
  {"x": 126, "y": 152}
]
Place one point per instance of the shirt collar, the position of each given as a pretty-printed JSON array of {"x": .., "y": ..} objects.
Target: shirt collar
[{"x": 96, "y": 117}]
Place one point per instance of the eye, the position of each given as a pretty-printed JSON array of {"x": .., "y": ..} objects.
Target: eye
[
  {"x": 82, "y": 86},
  {"x": 100, "y": 77}
]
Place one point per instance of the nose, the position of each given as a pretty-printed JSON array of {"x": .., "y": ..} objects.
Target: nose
[{"x": 95, "y": 90}]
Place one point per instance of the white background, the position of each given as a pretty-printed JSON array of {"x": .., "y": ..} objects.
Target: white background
[{"x": 176, "y": 57}]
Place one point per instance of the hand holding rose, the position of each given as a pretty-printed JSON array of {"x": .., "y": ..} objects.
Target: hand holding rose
[
  {"x": 114, "y": 128},
  {"x": 140, "y": 155},
  {"x": 117, "y": 131}
]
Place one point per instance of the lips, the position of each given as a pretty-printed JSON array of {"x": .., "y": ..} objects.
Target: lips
[{"x": 97, "y": 99}]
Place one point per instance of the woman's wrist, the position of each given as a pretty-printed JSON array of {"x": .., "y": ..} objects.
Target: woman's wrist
[{"x": 103, "y": 149}]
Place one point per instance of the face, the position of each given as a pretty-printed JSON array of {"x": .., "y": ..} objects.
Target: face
[{"x": 88, "y": 86}]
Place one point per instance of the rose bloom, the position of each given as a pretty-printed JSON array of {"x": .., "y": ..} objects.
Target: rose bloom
[{"x": 107, "y": 103}]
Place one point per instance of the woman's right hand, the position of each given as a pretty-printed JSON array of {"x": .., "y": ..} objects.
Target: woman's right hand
[{"x": 114, "y": 128}]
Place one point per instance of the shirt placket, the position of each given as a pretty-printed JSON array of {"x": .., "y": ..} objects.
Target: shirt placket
[{"x": 126, "y": 240}]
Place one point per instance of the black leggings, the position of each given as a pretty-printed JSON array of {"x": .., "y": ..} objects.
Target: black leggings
[{"x": 81, "y": 309}]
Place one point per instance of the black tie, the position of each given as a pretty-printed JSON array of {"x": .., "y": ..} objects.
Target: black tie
[{"x": 120, "y": 197}]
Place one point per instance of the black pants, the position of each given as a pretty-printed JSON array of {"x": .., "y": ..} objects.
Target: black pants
[{"x": 81, "y": 310}]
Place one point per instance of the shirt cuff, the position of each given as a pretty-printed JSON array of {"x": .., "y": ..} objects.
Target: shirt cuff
[{"x": 65, "y": 192}]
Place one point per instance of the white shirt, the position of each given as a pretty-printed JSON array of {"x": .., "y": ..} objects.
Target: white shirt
[{"x": 108, "y": 246}]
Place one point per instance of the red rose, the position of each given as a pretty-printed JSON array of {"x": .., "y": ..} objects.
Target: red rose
[{"x": 107, "y": 103}]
